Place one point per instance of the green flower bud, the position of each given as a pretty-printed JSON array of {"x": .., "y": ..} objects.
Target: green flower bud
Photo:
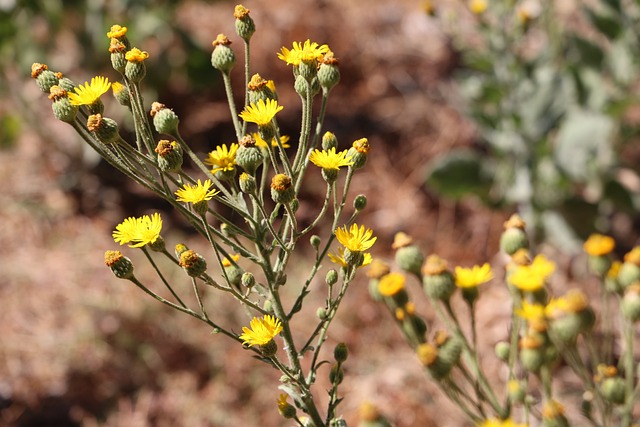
[
  {"x": 566, "y": 328},
  {"x": 193, "y": 263},
  {"x": 104, "y": 128},
  {"x": 259, "y": 88},
  {"x": 249, "y": 157},
  {"x": 613, "y": 389},
  {"x": 62, "y": 108},
  {"x": 121, "y": 94},
  {"x": 308, "y": 70},
  {"x": 360, "y": 202},
  {"x": 66, "y": 84},
  {"x": 267, "y": 306},
  {"x": 628, "y": 274},
  {"x": 164, "y": 119},
  {"x": 353, "y": 258},
  {"x": 321, "y": 313},
  {"x": 514, "y": 236},
  {"x": 630, "y": 304},
  {"x": 449, "y": 348},
  {"x": 157, "y": 245},
  {"x": 429, "y": 356},
  {"x": 330, "y": 175},
  {"x": 502, "y": 350},
  {"x": 315, "y": 241},
  {"x": 169, "y": 156},
  {"x": 328, "y": 73},
  {"x": 301, "y": 86},
  {"x": 282, "y": 190},
  {"x": 233, "y": 275},
  {"x": 329, "y": 141},
  {"x": 599, "y": 264},
  {"x": 358, "y": 153},
  {"x": 44, "y": 77},
  {"x": 531, "y": 359},
  {"x": 285, "y": 409},
  {"x": 245, "y": 27},
  {"x": 331, "y": 277},
  {"x": 222, "y": 58},
  {"x": 437, "y": 280},
  {"x": 410, "y": 259},
  {"x": 247, "y": 280},
  {"x": 516, "y": 391},
  {"x": 247, "y": 183},
  {"x": 120, "y": 265},
  {"x": 340, "y": 352},
  {"x": 135, "y": 71},
  {"x": 118, "y": 49}
]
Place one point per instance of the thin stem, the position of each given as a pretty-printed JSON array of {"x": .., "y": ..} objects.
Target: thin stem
[
  {"x": 232, "y": 105},
  {"x": 155, "y": 266}
]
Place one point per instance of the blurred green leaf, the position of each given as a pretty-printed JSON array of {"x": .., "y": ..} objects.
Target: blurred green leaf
[
  {"x": 459, "y": 173},
  {"x": 608, "y": 25},
  {"x": 583, "y": 144},
  {"x": 590, "y": 54}
]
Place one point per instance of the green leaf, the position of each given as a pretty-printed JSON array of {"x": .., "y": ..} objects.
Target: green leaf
[
  {"x": 583, "y": 145},
  {"x": 459, "y": 173},
  {"x": 606, "y": 24},
  {"x": 589, "y": 53}
]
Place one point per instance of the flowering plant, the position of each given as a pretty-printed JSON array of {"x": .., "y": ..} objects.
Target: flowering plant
[{"x": 256, "y": 179}]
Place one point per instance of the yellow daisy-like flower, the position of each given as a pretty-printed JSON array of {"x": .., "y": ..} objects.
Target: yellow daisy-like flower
[
  {"x": 599, "y": 244},
  {"x": 136, "y": 55},
  {"x": 284, "y": 140},
  {"x": 390, "y": 284},
  {"x": 474, "y": 276},
  {"x": 356, "y": 239},
  {"x": 330, "y": 159},
  {"x": 223, "y": 158},
  {"x": 303, "y": 52},
  {"x": 261, "y": 331},
  {"x": 138, "y": 232},
  {"x": 89, "y": 93},
  {"x": 495, "y": 422},
  {"x": 261, "y": 113},
  {"x": 117, "y": 32},
  {"x": 194, "y": 193},
  {"x": 530, "y": 278},
  {"x": 614, "y": 270},
  {"x": 339, "y": 258}
]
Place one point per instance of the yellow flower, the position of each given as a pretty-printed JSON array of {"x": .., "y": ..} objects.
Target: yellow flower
[
  {"x": 330, "y": 159},
  {"x": 495, "y": 422},
  {"x": 598, "y": 245},
  {"x": 614, "y": 270},
  {"x": 530, "y": 278},
  {"x": 284, "y": 139},
  {"x": 138, "y": 232},
  {"x": 339, "y": 258},
  {"x": 262, "y": 331},
  {"x": 261, "y": 113},
  {"x": 227, "y": 263},
  {"x": 194, "y": 193},
  {"x": 136, "y": 55},
  {"x": 117, "y": 32},
  {"x": 90, "y": 93},
  {"x": 306, "y": 52},
  {"x": 574, "y": 301},
  {"x": 355, "y": 239},
  {"x": 478, "y": 7},
  {"x": 117, "y": 88},
  {"x": 472, "y": 277},
  {"x": 390, "y": 284},
  {"x": 223, "y": 158}
]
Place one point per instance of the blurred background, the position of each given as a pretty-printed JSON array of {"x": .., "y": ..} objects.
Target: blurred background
[{"x": 473, "y": 110}]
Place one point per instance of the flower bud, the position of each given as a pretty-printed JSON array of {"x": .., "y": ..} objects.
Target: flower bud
[
  {"x": 62, "y": 108},
  {"x": 164, "y": 119},
  {"x": 336, "y": 375},
  {"x": 328, "y": 73},
  {"x": 340, "y": 352},
  {"x": 301, "y": 85},
  {"x": 449, "y": 348},
  {"x": 329, "y": 141},
  {"x": 248, "y": 156},
  {"x": 514, "y": 236},
  {"x": 282, "y": 190},
  {"x": 360, "y": 202},
  {"x": 437, "y": 280},
  {"x": 119, "y": 264},
  {"x": 248, "y": 183},
  {"x": 222, "y": 57},
  {"x": 629, "y": 273},
  {"x": 429, "y": 357},
  {"x": 269, "y": 349},
  {"x": 630, "y": 304},
  {"x": 245, "y": 27},
  {"x": 104, "y": 128},
  {"x": 599, "y": 264},
  {"x": 135, "y": 70},
  {"x": 66, "y": 84},
  {"x": 118, "y": 51},
  {"x": 179, "y": 249},
  {"x": 531, "y": 353},
  {"x": 121, "y": 94},
  {"x": 315, "y": 241},
  {"x": 157, "y": 245},
  {"x": 358, "y": 153},
  {"x": 193, "y": 263},
  {"x": 613, "y": 390},
  {"x": 259, "y": 88},
  {"x": 410, "y": 259},
  {"x": 44, "y": 77},
  {"x": 553, "y": 415},
  {"x": 332, "y": 277},
  {"x": 169, "y": 156},
  {"x": 516, "y": 391},
  {"x": 285, "y": 409},
  {"x": 321, "y": 313},
  {"x": 247, "y": 280},
  {"x": 502, "y": 350}
]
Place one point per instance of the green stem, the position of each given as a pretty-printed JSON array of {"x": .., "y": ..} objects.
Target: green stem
[{"x": 232, "y": 105}]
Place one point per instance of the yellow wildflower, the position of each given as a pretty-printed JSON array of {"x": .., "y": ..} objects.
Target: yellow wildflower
[
  {"x": 138, "y": 232},
  {"x": 136, "y": 55},
  {"x": 303, "y": 52},
  {"x": 472, "y": 277},
  {"x": 89, "y": 93},
  {"x": 284, "y": 140},
  {"x": 530, "y": 278},
  {"x": 339, "y": 258},
  {"x": 330, "y": 159},
  {"x": 261, "y": 331},
  {"x": 194, "y": 193},
  {"x": 598, "y": 245},
  {"x": 261, "y": 113},
  {"x": 390, "y": 284},
  {"x": 356, "y": 239},
  {"x": 223, "y": 158}
]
